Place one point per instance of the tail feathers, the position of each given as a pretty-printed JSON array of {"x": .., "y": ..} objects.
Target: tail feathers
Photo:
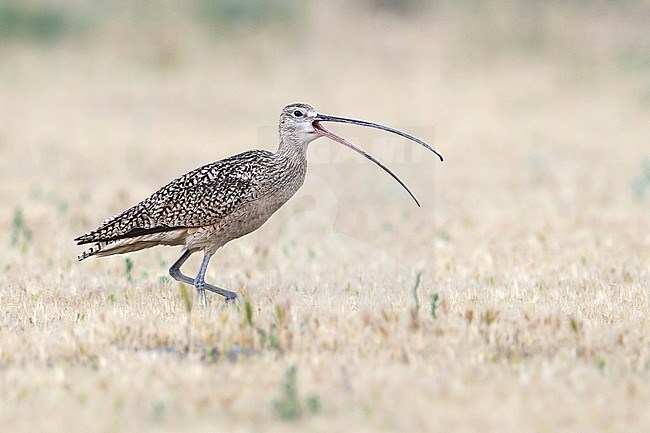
[
  {"x": 109, "y": 247},
  {"x": 92, "y": 250}
]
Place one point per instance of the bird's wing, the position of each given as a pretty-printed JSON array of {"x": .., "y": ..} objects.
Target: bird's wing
[{"x": 199, "y": 198}]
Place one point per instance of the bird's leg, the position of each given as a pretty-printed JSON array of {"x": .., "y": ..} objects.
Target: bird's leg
[
  {"x": 175, "y": 272},
  {"x": 201, "y": 285},
  {"x": 199, "y": 281}
]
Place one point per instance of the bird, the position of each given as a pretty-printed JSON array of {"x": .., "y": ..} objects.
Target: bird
[{"x": 216, "y": 203}]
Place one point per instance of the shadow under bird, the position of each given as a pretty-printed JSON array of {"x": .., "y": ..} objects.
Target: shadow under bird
[{"x": 214, "y": 204}]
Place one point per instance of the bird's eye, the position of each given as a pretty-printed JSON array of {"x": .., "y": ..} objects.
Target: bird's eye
[{"x": 297, "y": 113}]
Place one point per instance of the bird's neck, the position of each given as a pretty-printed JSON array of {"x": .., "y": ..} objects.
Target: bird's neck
[
  {"x": 294, "y": 151},
  {"x": 291, "y": 166}
]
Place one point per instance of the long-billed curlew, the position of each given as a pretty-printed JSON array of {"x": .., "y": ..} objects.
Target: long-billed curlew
[{"x": 214, "y": 204}]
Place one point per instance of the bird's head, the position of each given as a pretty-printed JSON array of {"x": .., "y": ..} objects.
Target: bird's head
[
  {"x": 297, "y": 124},
  {"x": 300, "y": 124}
]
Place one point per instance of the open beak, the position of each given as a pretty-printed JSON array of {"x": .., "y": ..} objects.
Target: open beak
[{"x": 320, "y": 130}]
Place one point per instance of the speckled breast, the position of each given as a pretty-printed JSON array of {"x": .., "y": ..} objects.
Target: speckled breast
[{"x": 249, "y": 216}]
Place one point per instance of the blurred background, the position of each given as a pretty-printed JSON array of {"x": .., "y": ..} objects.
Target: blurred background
[{"x": 542, "y": 110}]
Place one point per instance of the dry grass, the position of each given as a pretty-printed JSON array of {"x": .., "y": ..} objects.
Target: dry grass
[{"x": 534, "y": 233}]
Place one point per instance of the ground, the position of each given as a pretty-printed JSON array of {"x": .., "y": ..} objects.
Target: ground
[{"x": 517, "y": 298}]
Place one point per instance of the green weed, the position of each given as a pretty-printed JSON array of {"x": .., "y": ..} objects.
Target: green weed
[
  {"x": 434, "y": 305},
  {"x": 249, "y": 313},
  {"x": 270, "y": 337},
  {"x": 288, "y": 407},
  {"x": 19, "y": 20},
  {"x": 187, "y": 299},
  {"x": 20, "y": 233},
  {"x": 128, "y": 269},
  {"x": 314, "y": 404}
]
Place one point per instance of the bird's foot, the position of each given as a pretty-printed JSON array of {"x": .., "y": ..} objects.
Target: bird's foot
[
  {"x": 200, "y": 291},
  {"x": 231, "y": 298},
  {"x": 227, "y": 294}
]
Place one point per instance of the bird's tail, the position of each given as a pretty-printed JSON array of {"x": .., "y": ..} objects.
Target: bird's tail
[
  {"x": 127, "y": 245},
  {"x": 92, "y": 250}
]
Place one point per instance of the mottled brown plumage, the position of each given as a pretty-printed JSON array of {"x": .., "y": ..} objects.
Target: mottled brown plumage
[
  {"x": 205, "y": 197},
  {"x": 216, "y": 203}
]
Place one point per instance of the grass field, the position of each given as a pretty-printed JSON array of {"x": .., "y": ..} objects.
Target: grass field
[{"x": 517, "y": 298}]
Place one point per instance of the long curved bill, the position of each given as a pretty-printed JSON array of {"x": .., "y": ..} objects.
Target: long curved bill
[{"x": 325, "y": 133}]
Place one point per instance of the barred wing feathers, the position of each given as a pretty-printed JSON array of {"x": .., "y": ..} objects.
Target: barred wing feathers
[{"x": 199, "y": 198}]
